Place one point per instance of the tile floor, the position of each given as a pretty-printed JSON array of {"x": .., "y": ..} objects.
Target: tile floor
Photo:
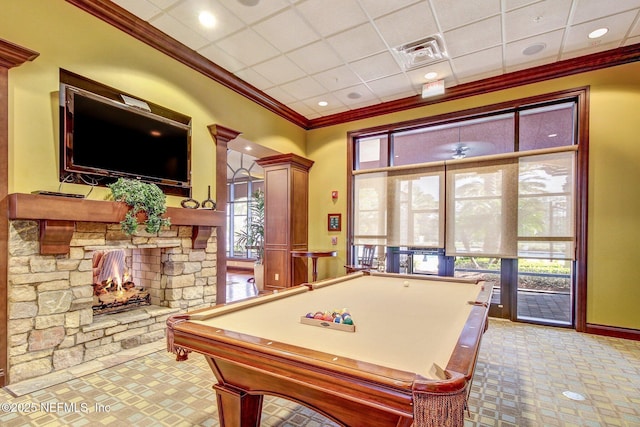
[{"x": 522, "y": 372}]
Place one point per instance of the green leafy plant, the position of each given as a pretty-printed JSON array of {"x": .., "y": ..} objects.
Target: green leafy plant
[
  {"x": 144, "y": 198},
  {"x": 253, "y": 236}
]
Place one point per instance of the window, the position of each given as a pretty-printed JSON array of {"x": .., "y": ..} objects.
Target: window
[
  {"x": 493, "y": 193},
  {"x": 244, "y": 178},
  {"x": 504, "y": 180}
]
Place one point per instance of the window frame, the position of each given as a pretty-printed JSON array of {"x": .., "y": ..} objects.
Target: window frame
[{"x": 581, "y": 138}]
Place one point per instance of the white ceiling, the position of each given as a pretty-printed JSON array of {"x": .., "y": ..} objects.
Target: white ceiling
[{"x": 301, "y": 52}]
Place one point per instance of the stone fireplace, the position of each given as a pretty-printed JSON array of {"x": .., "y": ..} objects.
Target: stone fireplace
[{"x": 53, "y": 324}]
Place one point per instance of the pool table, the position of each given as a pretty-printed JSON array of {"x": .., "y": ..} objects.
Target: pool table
[{"x": 410, "y": 359}]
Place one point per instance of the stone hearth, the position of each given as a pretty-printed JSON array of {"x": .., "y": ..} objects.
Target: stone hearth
[{"x": 52, "y": 326}]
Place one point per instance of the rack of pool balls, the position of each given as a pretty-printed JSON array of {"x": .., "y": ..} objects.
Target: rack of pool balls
[{"x": 336, "y": 319}]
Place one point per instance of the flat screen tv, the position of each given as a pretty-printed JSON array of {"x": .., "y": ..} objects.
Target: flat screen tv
[{"x": 103, "y": 139}]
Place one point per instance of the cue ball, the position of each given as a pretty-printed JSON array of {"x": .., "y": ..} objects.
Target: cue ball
[{"x": 406, "y": 283}]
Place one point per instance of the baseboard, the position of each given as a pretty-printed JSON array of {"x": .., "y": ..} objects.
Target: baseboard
[{"x": 613, "y": 331}]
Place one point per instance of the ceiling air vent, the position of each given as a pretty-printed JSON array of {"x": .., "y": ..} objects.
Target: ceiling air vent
[{"x": 421, "y": 52}]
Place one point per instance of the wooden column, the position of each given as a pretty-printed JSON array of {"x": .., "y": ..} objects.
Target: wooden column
[
  {"x": 11, "y": 55},
  {"x": 286, "y": 198},
  {"x": 221, "y": 137}
]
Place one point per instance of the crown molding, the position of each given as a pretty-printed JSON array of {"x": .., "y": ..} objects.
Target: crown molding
[
  {"x": 568, "y": 67},
  {"x": 125, "y": 21},
  {"x": 12, "y": 55},
  {"x": 143, "y": 31}
]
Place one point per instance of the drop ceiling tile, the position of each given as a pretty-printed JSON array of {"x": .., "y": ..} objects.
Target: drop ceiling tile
[
  {"x": 254, "y": 78},
  {"x": 456, "y": 14},
  {"x": 517, "y": 4},
  {"x": 252, "y": 14},
  {"x": 315, "y": 57},
  {"x": 328, "y": 17},
  {"x": 337, "y": 78},
  {"x": 473, "y": 37},
  {"x": 577, "y": 35},
  {"x": 278, "y": 93},
  {"x": 478, "y": 63},
  {"x": 443, "y": 68},
  {"x": 363, "y": 104},
  {"x": 303, "y": 109},
  {"x": 286, "y": 31},
  {"x": 333, "y": 104},
  {"x": 213, "y": 53},
  {"x": 407, "y": 25},
  {"x": 357, "y": 43},
  {"x": 536, "y": 19},
  {"x": 392, "y": 86},
  {"x": 588, "y": 10},
  {"x": 480, "y": 76},
  {"x": 635, "y": 31},
  {"x": 534, "y": 63},
  {"x": 247, "y": 47},
  {"x": 303, "y": 88},
  {"x": 377, "y": 66},
  {"x": 632, "y": 40},
  {"x": 589, "y": 50},
  {"x": 162, "y": 4},
  {"x": 142, "y": 8},
  {"x": 279, "y": 70},
  {"x": 400, "y": 95},
  {"x": 185, "y": 35},
  {"x": 376, "y": 8},
  {"x": 355, "y": 95},
  {"x": 187, "y": 13},
  {"x": 552, "y": 42}
]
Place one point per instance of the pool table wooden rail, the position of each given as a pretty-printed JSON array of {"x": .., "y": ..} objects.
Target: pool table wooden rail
[{"x": 340, "y": 388}]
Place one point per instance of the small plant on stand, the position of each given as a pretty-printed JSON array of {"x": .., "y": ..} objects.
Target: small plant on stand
[{"x": 142, "y": 198}]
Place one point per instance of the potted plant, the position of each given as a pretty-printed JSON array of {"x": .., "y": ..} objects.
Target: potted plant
[
  {"x": 252, "y": 237},
  {"x": 143, "y": 198}
]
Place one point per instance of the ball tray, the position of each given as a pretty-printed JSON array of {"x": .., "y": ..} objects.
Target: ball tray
[{"x": 327, "y": 324}]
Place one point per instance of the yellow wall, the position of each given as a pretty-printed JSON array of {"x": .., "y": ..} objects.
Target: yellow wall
[
  {"x": 68, "y": 38},
  {"x": 613, "y": 295}
]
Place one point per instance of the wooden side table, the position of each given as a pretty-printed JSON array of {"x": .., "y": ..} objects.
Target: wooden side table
[{"x": 314, "y": 255}]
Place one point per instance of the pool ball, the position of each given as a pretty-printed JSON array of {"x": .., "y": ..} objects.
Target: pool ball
[
  {"x": 347, "y": 321},
  {"x": 310, "y": 315},
  {"x": 406, "y": 283}
]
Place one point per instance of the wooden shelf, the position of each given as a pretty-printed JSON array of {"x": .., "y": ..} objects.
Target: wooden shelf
[{"x": 57, "y": 214}]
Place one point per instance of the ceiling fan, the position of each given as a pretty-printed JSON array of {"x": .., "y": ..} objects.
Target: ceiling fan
[{"x": 460, "y": 151}]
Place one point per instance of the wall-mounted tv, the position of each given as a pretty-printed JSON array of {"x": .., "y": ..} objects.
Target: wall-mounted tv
[{"x": 103, "y": 139}]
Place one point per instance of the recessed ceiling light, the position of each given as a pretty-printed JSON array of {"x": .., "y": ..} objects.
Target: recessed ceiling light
[
  {"x": 552, "y": 135},
  {"x": 354, "y": 95},
  {"x": 207, "y": 19},
  {"x": 598, "y": 33},
  {"x": 323, "y": 103},
  {"x": 533, "y": 49},
  {"x": 431, "y": 75},
  {"x": 248, "y": 148},
  {"x": 249, "y": 2}
]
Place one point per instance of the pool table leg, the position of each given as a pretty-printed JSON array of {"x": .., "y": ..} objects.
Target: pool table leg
[{"x": 237, "y": 408}]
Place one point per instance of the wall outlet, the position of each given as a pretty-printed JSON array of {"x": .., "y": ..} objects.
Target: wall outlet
[
  {"x": 277, "y": 276},
  {"x": 334, "y": 240}
]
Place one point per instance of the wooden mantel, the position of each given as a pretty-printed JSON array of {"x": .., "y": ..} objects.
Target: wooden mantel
[{"x": 58, "y": 215}]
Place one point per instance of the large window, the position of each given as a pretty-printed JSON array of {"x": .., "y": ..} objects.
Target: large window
[{"x": 471, "y": 190}]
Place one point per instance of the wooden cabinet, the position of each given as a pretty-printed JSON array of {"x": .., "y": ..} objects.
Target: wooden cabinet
[{"x": 286, "y": 186}]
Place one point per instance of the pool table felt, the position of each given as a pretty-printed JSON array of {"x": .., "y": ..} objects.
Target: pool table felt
[{"x": 406, "y": 328}]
